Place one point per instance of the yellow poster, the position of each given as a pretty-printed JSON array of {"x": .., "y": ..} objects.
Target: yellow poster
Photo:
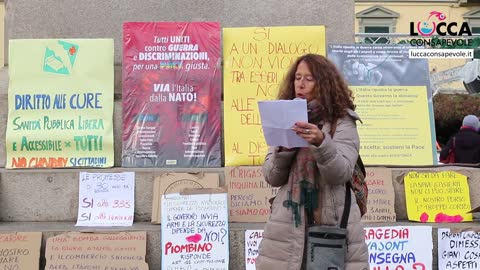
[
  {"x": 437, "y": 197},
  {"x": 396, "y": 124},
  {"x": 60, "y": 103},
  {"x": 255, "y": 61}
]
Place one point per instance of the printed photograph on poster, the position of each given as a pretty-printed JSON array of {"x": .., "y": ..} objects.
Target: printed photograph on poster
[
  {"x": 378, "y": 65},
  {"x": 171, "y": 94}
]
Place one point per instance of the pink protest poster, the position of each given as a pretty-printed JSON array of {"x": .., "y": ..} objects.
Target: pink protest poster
[{"x": 171, "y": 94}]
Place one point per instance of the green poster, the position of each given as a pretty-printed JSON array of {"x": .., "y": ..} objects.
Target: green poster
[{"x": 60, "y": 103}]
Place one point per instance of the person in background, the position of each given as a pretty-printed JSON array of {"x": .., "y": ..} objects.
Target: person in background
[
  {"x": 465, "y": 143},
  {"x": 325, "y": 166}
]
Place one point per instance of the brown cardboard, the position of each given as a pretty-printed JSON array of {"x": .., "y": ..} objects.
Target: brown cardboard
[
  {"x": 381, "y": 196},
  {"x": 76, "y": 250},
  {"x": 20, "y": 250},
  {"x": 168, "y": 183},
  {"x": 248, "y": 194}
]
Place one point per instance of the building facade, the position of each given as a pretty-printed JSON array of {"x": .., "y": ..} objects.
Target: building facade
[{"x": 393, "y": 19}]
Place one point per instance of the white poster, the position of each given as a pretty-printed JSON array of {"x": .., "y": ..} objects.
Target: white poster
[
  {"x": 195, "y": 232},
  {"x": 252, "y": 242},
  {"x": 399, "y": 247},
  {"x": 458, "y": 250},
  {"x": 106, "y": 199}
]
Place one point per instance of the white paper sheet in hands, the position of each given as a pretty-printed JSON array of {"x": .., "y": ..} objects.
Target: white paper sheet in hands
[{"x": 278, "y": 117}]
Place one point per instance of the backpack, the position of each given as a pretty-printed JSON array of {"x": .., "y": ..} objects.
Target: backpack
[{"x": 359, "y": 186}]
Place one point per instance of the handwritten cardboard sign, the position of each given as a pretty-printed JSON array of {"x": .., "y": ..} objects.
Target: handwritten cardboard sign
[
  {"x": 124, "y": 250},
  {"x": 458, "y": 249},
  {"x": 252, "y": 243},
  {"x": 400, "y": 247},
  {"x": 381, "y": 196},
  {"x": 169, "y": 183},
  {"x": 195, "y": 231},
  {"x": 106, "y": 199},
  {"x": 20, "y": 250},
  {"x": 248, "y": 194},
  {"x": 437, "y": 197}
]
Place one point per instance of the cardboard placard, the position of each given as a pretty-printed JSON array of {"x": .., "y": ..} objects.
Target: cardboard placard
[
  {"x": 381, "y": 196},
  {"x": 75, "y": 250},
  {"x": 248, "y": 194},
  {"x": 169, "y": 183},
  {"x": 20, "y": 250}
]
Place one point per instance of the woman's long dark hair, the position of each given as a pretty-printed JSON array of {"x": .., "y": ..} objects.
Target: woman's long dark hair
[{"x": 331, "y": 91}]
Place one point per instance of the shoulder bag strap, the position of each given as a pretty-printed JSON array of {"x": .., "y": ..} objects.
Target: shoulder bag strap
[{"x": 346, "y": 207}]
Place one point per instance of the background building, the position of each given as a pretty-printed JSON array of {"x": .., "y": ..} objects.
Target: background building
[{"x": 392, "y": 18}]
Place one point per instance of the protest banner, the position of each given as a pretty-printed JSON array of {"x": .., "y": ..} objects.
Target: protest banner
[
  {"x": 195, "y": 231},
  {"x": 106, "y": 199},
  {"x": 171, "y": 94},
  {"x": 255, "y": 61},
  {"x": 394, "y": 100},
  {"x": 20, "y": 250},
  {"x": 399, "y": 247},
  {"x": 60, "y": 103},
  {"x": 116, "y": 250},
  {"x": 437, "y": 197}
]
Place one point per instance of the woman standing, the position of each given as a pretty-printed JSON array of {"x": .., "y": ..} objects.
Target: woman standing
[
  {"x": 326, "y": 165},
  {"x": 465, "y": 144}
]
